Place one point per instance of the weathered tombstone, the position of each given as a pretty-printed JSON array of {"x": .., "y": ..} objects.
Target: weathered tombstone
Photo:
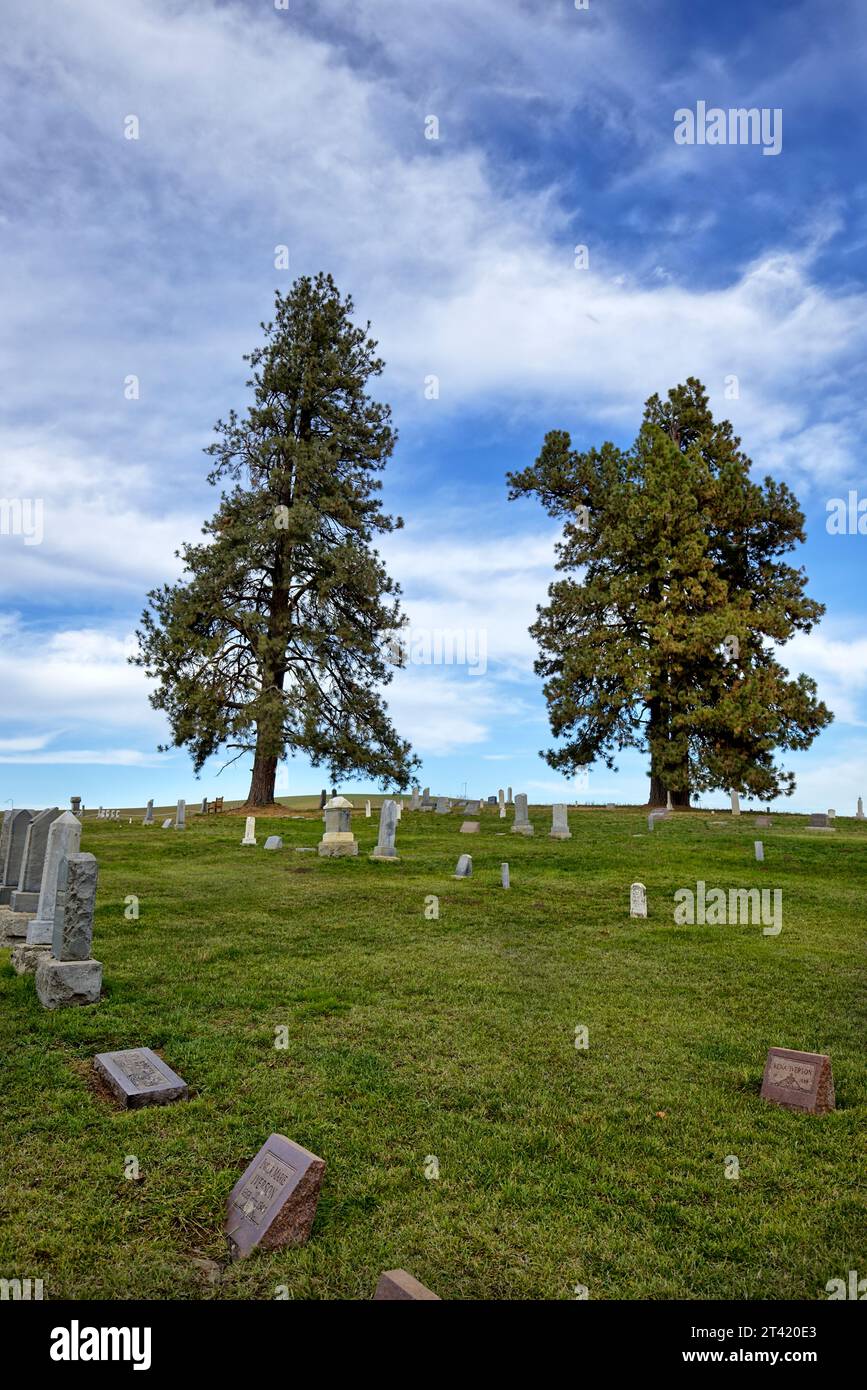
[
  {"x": 443, "y": 806},
  {"x": 273, "y": 1203},
  {"x": 249, "y": 831},
  {"x": 167, "y": 824},
  {"x": 859, "y": 814},
  {"x": 501, "y": 797},
  {"x": 509, "y": 797},
  {"x": 504, "y": 875},
  {"x": 832, "y": 814},
  {"x": 64, "y": 839},
  {"x": 75, "y": 803},
  {"x": 472, "y": 808},
  {"x": 15, "y": 827},
  {"x": 181, "y": 817},
  {"x": 203, "y": 809},
  {"x": 396, "y": 1285},
  {"x": 736, "y": 803},
  {"x": 70, "y": 975},
  {"x": 521, "y": 824},
  {"x": 415, "y": 800},
  {"x": 638, "y": 900},
  {"x": 503, "y": 811},
  {"x": 760, "y": 851},
  {"x": 367, "y": 810},
  {"x": 669, "y": 806},
  {"x": 559, "y": 823},
  {"x": 274, "y": 842},
  {"x": 387, "y": 827},
  {"x": 464, "y": 867},
  {"x": 819, "y": 822},
  {"x": 338, "y": 838},
  {"x": 470, "y": 827},
  {"x": 26, "y": 896},
  {"x": 323, "y": 797},
  {"x": 492, "y": 801},
  {"x": 798, "y": 1080},
  {"x": 149, "y": 813},
  {"x": 763, "y": 822},
  {"x": 138, "y": 1077}
]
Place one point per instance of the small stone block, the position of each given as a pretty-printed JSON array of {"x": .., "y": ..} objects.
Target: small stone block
[
  {"x": 273, "y": 842},
  {"x": 396, "y": 1284},
  {"x": 138, "y": 1077},
  {"x": 273, "y": 1203},
  {"x": 63, "y": 982},
  {"x": 798, "y": 1080}
]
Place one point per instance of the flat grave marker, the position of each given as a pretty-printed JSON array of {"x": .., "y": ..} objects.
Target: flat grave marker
[{"x": 138, "y": 1077}]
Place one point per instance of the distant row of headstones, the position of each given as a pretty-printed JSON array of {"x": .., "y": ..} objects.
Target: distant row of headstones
[{"x": 47, "y": 901}]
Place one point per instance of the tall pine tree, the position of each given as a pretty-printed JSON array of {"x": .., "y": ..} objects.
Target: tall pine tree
[
  {"x": 281, "y": 632},
  {"x": 660, "y": 637}
]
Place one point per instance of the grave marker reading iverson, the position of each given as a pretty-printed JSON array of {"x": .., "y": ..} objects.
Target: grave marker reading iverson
[
  {"x": 137, "y": 1076},
  {"x": 274, "y": 1201},
  {"x": 799, "y": 1080}
]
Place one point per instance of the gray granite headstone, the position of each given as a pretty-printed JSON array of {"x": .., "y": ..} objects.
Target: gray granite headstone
[
  {"x": 149, "y": 813},
  {"x": 443, "y": 806},
  {"x": 736, "y": 803},
  {"x": 559, "y": 823},
  {"x": 64, "y": 839},
  {"x": 203, "y": 809},
  {"x": 395, "y": 1285},
  {"x": 274, "y": 842},
  {"x": 323, "y": 797},
  {"x": 26, "y": 898},
  {"x": 387, "y": 830},
  {"x": 470, "y": 827},
  {"x": 521, "y": 824},
  {"x": 504, "y": 875},
  {"x": 73, "y": 931},
  {"x": 15, "y": 828},
  {"x": 859, "y": 814},
  {"x": 138, "y": 1077},
  {"x": 464, "y": 867},
  {"x": 75, "y": 805},
  {"x": 181, "y": 817},
  {"x": 760, "y": 851},
  {"x": 472, "y": 808}
]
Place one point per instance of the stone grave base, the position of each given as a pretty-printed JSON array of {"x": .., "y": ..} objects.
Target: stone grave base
[
  {"x": 63, "y": 982},
  {"x": 26, "y": 958},
  {"x": 385, "y": 858},
  {"x": 13, "y": 926},
  {"x": 522, "y": 830},
  {"x": 338, "y": 851},
  {"x": 559, "y": 834}
]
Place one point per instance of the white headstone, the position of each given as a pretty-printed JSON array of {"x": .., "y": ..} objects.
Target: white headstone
[
  {"x": 559, "y": 823},
  {"x": 504, "y": 875},
  {"x": 638, "y": 900},
  {"x": 181, "y": 817},
  {"x": 760, "y": 851},
  {"x": 736, "y": 803},
  {"x": 387, "y": 826},
  {"x": 367, "y": 810},
  {"x": 249, "y": 831}
]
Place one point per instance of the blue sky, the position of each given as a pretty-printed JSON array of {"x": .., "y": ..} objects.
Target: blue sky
[{"x": 260, "y": 127}]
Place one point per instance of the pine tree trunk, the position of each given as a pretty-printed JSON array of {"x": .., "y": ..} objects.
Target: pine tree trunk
[
  {"x": 262, "y": 782},
  {"x": 658, "y": 789}
]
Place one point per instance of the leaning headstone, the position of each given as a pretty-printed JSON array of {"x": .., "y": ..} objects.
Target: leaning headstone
[
  {"x": 70, "y": 975},
  {"x": 760, "y": 851},
  {"x": 15, "y": 827},
  {"x": 387, "y": 827},
  {"x": 638, "y": 900},
  {"x": 367, "y": 810},
  {"x": 443, "y": 806},
  {"x": 249, "y": 831},
  {"x": 504, "y": 875},
  {"x": 521, "y": 824},
  {"x": 338, "y": 839},
  {"x": 181, "y": 817},
  {"x": 736, "y": 803},
  {"x": 64, "y": 840},
  {"x": 559, "y": 823},
  {"x": 396, "y": 1285},
  {"x": 138, "y": 1077},
  {"x": 859, "y": 814},
  {"x": 470, "y": 827},
  {"x": 274, "y": 842},
  {"x": 798, "y": 1080},
  {"x": 273, "y": 1203},
  {"x": 464, "y": 867},
  {"x": 149, "y": 813},
  {"x": 26, "y": 896},
  {"x": 167, "y": 824}
]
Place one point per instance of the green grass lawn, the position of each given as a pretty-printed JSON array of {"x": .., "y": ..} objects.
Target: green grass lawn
[{"x": 455, "y": 1037}]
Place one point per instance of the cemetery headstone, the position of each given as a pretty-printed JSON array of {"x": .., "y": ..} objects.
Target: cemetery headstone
[
  {"x": 559, "y": 823},
  {"x": 387, "y": 828},
  {"x": 470, "y": 827},
  {"x": 443, "y": 806},
  {"x": 472, "y": 808},
  {"x": 203, "y": 809},
  {"x": 760, "y": 851},
  {"x": 323, "y": 797},
  {"x": 464, "y": 867},
  {"x": 638, "y": 900},
  {"x": 818, "y": 821},
  {"x": 274, "y": 842},
  {"x": 415, "y": 800},
  {"x": 249, "y": 831},
  {"x": 26, "y": 896},
  {"x": 64, "y": 839},
  {"x": 763, "y": 822},
  {"x": 15, "y": 827},
  {"x": 859, "y": 814},
  {"x": 736, "y": 803},
  {"x": 521, "y": 824},
  {"x": 832, "y": 814},
  {"x": 70, "y": 975},
  {"x": 504, "y": 875},
  {"x": 503, "y": 811},
  {"x": 338, "y": 839},
  {"x": 273, "y": 1203},
  {"x": 138, "y": 1077},
  {"x": 501, "y": 797},
  {"x": 367, "y": 810},
  {"x": 396, "y": 1284},
  {"x": 149, "y": 813},
  {"x": 167, "y": 824},
  {"x": 181, "y": 817},
  {"x": 75, "y": 803},
  {"x": 509, "y": 797},
  {"x": 798, "y": 1080}
]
